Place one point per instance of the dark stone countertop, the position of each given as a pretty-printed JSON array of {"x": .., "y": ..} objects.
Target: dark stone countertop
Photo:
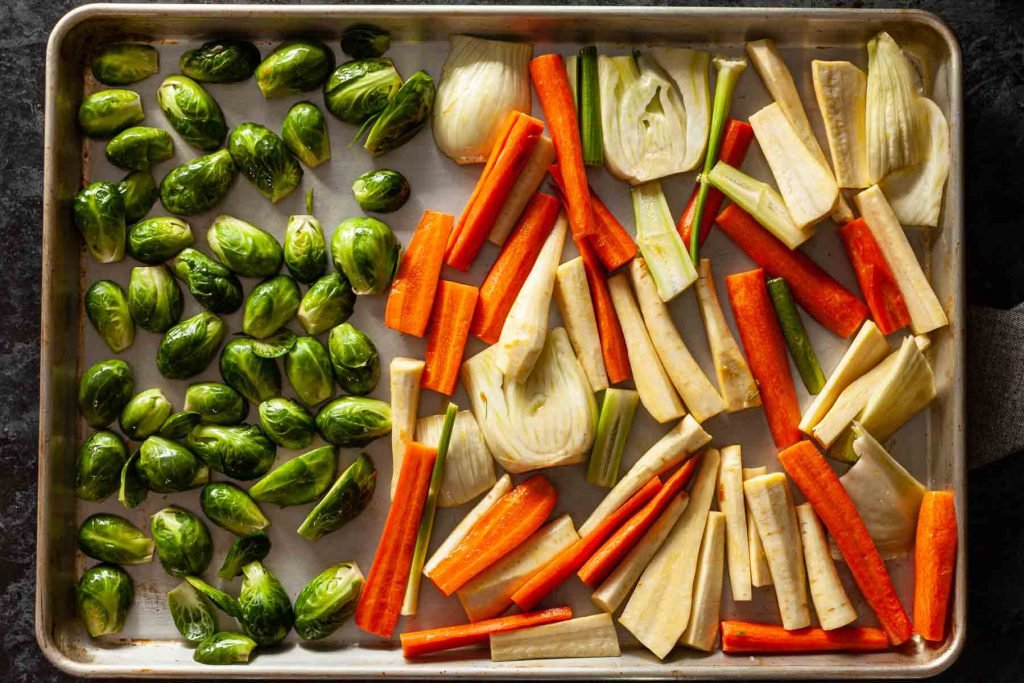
[{"x": 991, "y": 33}]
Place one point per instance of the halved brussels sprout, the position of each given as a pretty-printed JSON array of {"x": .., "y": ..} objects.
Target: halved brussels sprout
[
  {"x": 299, "y": 480},
  {"x": 154, "y": 298},
  {"x": 139, "y": 147},
  {"x": 355, "y": 360},
  {"x": 354, "y": 421},
  {"x": 188, "y": 347},
  {"x": 275, "y": 345},
  {"x": 106, "y": 306},
  {"x": 244, "y": 248},
  {"x": 178, "y": 425},
  {"x": 294, "y": 66},
  {"x": 266, "y": 611},
  {"x": 305, "y": 132},
  {"x": 100, "y": 216},
  {"x": 98, "y": 468},
  {"x": 265, "y": 160},
  {"x": 252, "y": 548},
  {"x": 155, "y": 240},
  {"x": 225, "y": 647},
  {"x": 286, "y": 423},
  {"x": 139, "y": 192},
  {"x": 256, "y": 378},
  {"x": 308, "y": 367},
  {"x": 110, "y": 538},
  {"x": 183, "y": 543},
  {"x": 239, "y": 451},
  {"x": 348, "y": 497},
  {"x": 198, "y": 185},
  {"x": 231, "y": 508},
  {"x": 305, "y": 250},
  {"x": 210, "y": 283},
  {"x": 328, "y": 601},
  {"x": 327, "y": 303},
  {"x": 191, "y": 612},
  {"x": 270, "y": 305},
  {"x": 105, "y": 593},
  {"x": 108, "y": 112},
  {"x": 405, "y": 116},
  {"x": 166, "y": 466},
  {"x": 362, "y": 41},
  {"x": 381, "y": 190},
  {"x": 145, "y": 414},
  {"x": 132, "y": 487},
  {"x": 367, "y": 252},
  {"x": 216, "y": 403},
  {"x": 359, "y": 90},
  {"x": 193, "y": 112},
  {"x": 220, "y": 61},
  {"x": 125, "y": 63},
  {"x": 104, "y": 390},
  {"x": 221, "y": 600}
]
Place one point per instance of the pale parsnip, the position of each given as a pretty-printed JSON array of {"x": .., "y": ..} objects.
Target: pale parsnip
[
  {"x": 500, "y": 488},
  {"x": 468, "y": 469},
  {"x": 830, "y": 601},
  {"x": 530, "y": 178},
  {"x": 688, "y": 69},
  {"x": 732, "y": 502},
  {"x": 915, "y": 192},
  {"x": 592, "y": 636},
  {"x": 841, "y": 90},
  {"x": 760, "y": 573},
  {"x": 572, "y": 295},
  {"x": 702, "y": 631},
  {"x": 406, "y": 374}
]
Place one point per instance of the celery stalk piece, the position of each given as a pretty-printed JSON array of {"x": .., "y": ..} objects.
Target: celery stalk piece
[
  {"x": 893, "y": 125},
  {"x": 592, "y": 636},
  {"x": 659, "y": 241},
  {"x": 915, "y": 192},
  {"x": 760, "y": 573},
  {"x": 797, "y": 341},
  {"x": 613, "y": 427},
  {"x": 588, "y": 105},
  {"x": 572, "y": 73},
  {"x": 702, "y": 631},
  {"x": 406, "y": 374},
  {"x": 761, "y": 201},
  {"x": 841, "y": 90},
  {"x": 830, "y": 600},
  {"x": 732, "y": 502}
]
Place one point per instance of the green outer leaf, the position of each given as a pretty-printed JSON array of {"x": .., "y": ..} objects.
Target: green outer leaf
[
  {"x": 252, "y": 548},
  {"x": 275, "y": 345},
  {"x": 178, "y": 425},
  {"x": 224, "y": 602},
  {"x": 132, "y": 489},
  {"x": 348, "y": 497},
  {"x": 191, "y": 612},
  {"x": 405, "y": 116},
  {"x": 797, "y": 341}
]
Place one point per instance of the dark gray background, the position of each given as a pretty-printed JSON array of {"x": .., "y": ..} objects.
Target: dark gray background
[{"x": 991, "y": 33}]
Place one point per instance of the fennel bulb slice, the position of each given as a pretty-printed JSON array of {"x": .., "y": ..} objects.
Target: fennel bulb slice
[
  {"x": 915, "y": 192},
  {"x": 841, "y": 90},
  {"x": 894, "y": 138},
  {"x": 659, "y": 241},
  {"x": 468, "y": 469},
  {"x": 688, "y": 69}
]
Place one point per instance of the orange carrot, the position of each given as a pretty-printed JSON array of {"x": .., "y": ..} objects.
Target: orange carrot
[
  {"x": 419, "y": 643},
  {"x": 613, "y": 344},
  {"x": 611, "y": 241},
  {"x": 514, "y": 263},
  {"x": 743, "y": 637},
  {"x": 822, "y": 489},
  {"x": 552, "y": 86},
  {"x": 877, "y": 284},
  {"x": 507, "y": 524},
  {"x": 573, "y": 557},
  {"x": 447, "y": 334},
  {"x": 766, "y": 351},
  {"x": 511, "y": 152},
  {"x": 412, "y": 293},
  {"x": 934, "y": 562},
  {"x": 381, "y": 600}
]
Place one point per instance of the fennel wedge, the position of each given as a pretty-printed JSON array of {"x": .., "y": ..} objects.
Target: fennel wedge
[
  {"x": 406, "y": 374},
  {"x": 702, "y": 631},
  {"x": 893, "y": 126},
  {"x": 915, "y": 192},
  {"x": 688, "y": 69},
  {"x": 468, "y": 469},
  {"x": 841, "y": 90}
]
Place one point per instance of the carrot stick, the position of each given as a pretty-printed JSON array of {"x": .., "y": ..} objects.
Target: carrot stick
[
  {"x": 419, "y": 643},
  {"x": 447, "y": 334},
  {"x": 552, "y": 86},
  {"x": 828, "y": 302},
  {"x": 735, "y": 143},
  {"x": 877, "y": 284},
  {"x": 612, "y": 243},
  {"x": 573, "y": 557},
  {"x": 822, "y": 489},
  {"x": 766, "y": 351},
  {"x": 513, "y": 518},
  {"x": 412, "y": 293},
  {"x": 934, "y": 561},
  {"x": 381, "y": 600},
  {"x": 613, "y": 344},
  {"x": 743, "y": 637},
  {"x": 514, "y": 263}
]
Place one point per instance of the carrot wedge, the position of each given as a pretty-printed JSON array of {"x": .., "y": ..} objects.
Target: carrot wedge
[
  {"x": 412, "y": 293},
  {"x": 934, "y": 564},
  {"x": 877, "y": 284},
  {"x": 419, "y": 643},
  {"x": 447, "y": 334},
  {"x": 744, "y": 637},
  {"x": 613, "y": 343},
  {"x": 612, "y": 243}
]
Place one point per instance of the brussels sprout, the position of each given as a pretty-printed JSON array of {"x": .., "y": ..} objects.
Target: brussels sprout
[
  {"x": 104, "y": 390},
  {"x": 365, "y": 40},
  {"x": 110, "y": 538},
  {"x": 193, "y": 112},
  {"x": 210, "y": 283},
  {"x": 266, "y": 610},
  {"x": 327, "y": 303},
  {"x": 367, "y": 252},
  {"x": 155, "y": 240},
  {"x": 216, "y": 403},
  {"x": 154, "y": 298},
  {"x": 305, "y": 250},
  {"x": 355, "y": 360},
  {"x": 220, "y": 61},
  {"x": 183, "y": 543},
  {"x": 100, "y": 217},
  {"x": 105, "y": 595},
  {"x": 139, "y": 192},
  {"x": 125, "y": 63},
  {"x": 191, "y": 612},
  {"x": 225, "y": 647},
  {"x": 295, "y": 66},
  {"x": 265, "y": 160},
  {"x": 286, "y": 423},
  {"x": 326, "y": 603},
  {"x": 132, "y": 487},
  {"x": 299, "y": 480},
  {"x": 168, "y": 467},
  {"x": 188, "y": 347},
  {"x": 231, "y": 508},
  {"x": 106, "y": 306},
  {"x": 256, "y": 378},
  {"x": 221, "y": 600},
  {"x": 252, "y": 548},
  {"x": 108, "y": 112},
  {"x": 270, "y": 305},
  {"x": 359, "y": 90},
  {"x": 198, "y": 185},
  {"x": 381, "y": 190},
  {"x": 178, "y": 425},
  {"x": 244, "y": 248},
  {"x": 305, "y": 132},
  {"x": 275, "y": 345},
  {"x": 139, "y": 147},
  {"x": 308, "y": 367},
  {"x": 354, "y": 421},
  {"x": 145, "y": 414},
  {"x": 348, "y": 497},
  {"x": 98, "y": 468},
  {"x": 239, "y": 451},
  {"x": 405, "y": 116}
]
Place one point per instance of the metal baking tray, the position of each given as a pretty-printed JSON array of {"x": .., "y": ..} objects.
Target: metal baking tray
[{"x": 932, "y": 446}]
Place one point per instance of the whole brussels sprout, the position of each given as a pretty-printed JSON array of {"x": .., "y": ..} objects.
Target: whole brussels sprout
[
  {"x": 193, "y": 112},
  {"x": 299, "y": 480},
  {"x": 367, "y": 252},
  {"x": 265, "y": 160},
  {"x": 354, "y": 421},
  {"x": 308, "y": 367},
  {"x": 104, "y": 390},
  {"x": 225, "y": 647},
  {"x": 328, "y": 601},
  {"x": 359, "y": 90},
  {"x": 348, "y": 497},
  {"x": 305, "y": 250},
  {"x": 125, "y": 63},
  {"x": 154, "y": 298},
  {"x": 198, "y": 185},
  {"x": 405, "y": 116},
  {"x": 183, "y": 543},
  {"x": 168, "y": 467},
  {"x": 221, "y": 600},
  {"x": 294, "y": 66},
  {"x": 108, "y": 112},
  {"x": 381, "y": 190},
  {"x": 132, "y": 488},
  {"x": 139, "y": 147},
  {"x": 106, "y": 306},
  {"x": 144, "y": 414},
  {"x": 286, "y": 423},
  {"x": 355, "y": 360},
  {"x": 244, "y": 248},
  {"x": 178, "y": 425},
  {"x": 191, "y": 612},
  {"x": 155, "y": 240},
  {"x": 239, "y": 451},
  {"x": 139, "y": 193},
  {"x": 105, "y": 593},
  {"x": 275, "y": 345},
  {"x": 220, "y": 61},
  {"x": 266, "y": 610},
  {"x": 100, "y": 216},
  {"x": 188, "y": 347},
  {"x": 110, "y": 538},
  {"x": 256, "y": 378},
  {"x": 231, "y": 508},
  {"x": 98, "y": 468},
  {"x": 327, "y": 303},
  {"x": 210, "y": 283},
  {"x": 305, "y": 132},
  {"x": 365, "y": 40},
  {"x": 252, "y": 548},
  {"x": 270, "y": 305},
  {"x": 216, "y": 403}
]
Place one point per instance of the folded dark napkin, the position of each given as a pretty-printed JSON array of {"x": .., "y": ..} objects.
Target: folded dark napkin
[{"x": 995, "y": 383}]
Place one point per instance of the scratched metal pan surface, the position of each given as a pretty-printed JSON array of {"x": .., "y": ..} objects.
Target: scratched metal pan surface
[{"x": 932, "y": 446}]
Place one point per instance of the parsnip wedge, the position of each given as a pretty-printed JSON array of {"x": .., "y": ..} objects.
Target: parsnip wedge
[
  {"x": 842, "y": 90},
  {"x": 406, "y": 374},
  {"x": 830, "y": 601},
  {"x": 592, "y": 636},
  {"x": 702, "y": 631},
  {"x": 760, "y": 574},
  {"x": 530, "y": 178},
  {"x": 915, "y": 192},
  {"x": 500, "y": 488},
  {"x": 732, "y": 502},
  {"x": 572, "y": 295}
]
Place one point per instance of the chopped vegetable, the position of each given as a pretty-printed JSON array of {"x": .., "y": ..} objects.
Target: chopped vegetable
[
  {"x": 362, "y": 41},
  {"x": 702, "y": 630},
  {"x": 842, "y": 90},
  {"x": 523, "y": 190},
  {"x": 406, "y": 374},
  {"x": 759, "y": 199},
  {"x": 613, "y": 426},
  {"x": 343, "y": 502},
  {"x": 611, "y": 242},
  {"x": 915, "y": 192},
  {"x": 660, "y": 243},
  {"x": 613, "y": 344},
  {"x": 572, "y": 295},
  {"x": 592, "y": 636},
  {"x": 830, "y": 602},
  {"x": 688, "y": 69},
  {"x": 469, "y": 469},
  {"x": 732, "y": 502},
  {"x": 760, "y": 572},
  {"x": 447, "y": 333},
  {"x": 404, "y": 116},
  {"x": 797, "y": 341},
  {"x": 419, "y": 643},
  {"x": 893, "y": 126},
  {"x": 500, "y": 488},
  {"x": 415, "y": 284},
  {"x": 588, "y": 106},
  {"x": 874, "y": 277},
  {"x": 741, "y": 637},
  {"x": 934, "y": 564}
]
